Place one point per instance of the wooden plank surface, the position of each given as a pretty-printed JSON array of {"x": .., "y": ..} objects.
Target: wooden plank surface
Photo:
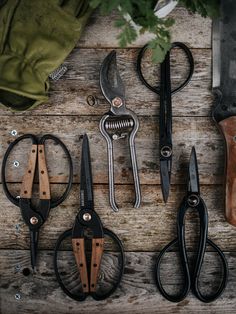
[
  {"x": 39, "y": 293},
  {"x": 143, "y": 231}
]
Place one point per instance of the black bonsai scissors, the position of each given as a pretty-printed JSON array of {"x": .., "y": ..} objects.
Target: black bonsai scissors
[
  {"x": 192, "y": 200},
  {"x": 36, "y": 217},
  {"x": 165, "y": 120},
  {"x": 88, "y": 266}
]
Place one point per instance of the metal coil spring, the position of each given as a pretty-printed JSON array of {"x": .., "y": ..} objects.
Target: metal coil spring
[{"x": 119, "y": 124}]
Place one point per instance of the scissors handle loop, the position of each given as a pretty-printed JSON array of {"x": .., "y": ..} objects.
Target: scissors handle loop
[
  {"x": 155, "y": 89},
  {"x": 95, "y": 295},
  {"x": 192, "y": 280},
  {"x": 42, "y": 169}
]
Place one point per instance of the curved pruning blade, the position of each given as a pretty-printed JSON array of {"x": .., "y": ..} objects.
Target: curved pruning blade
[{"x": 110, "y": 81}]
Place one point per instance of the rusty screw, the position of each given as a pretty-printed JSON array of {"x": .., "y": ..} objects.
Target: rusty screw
[{"x": 117, "y": 102}]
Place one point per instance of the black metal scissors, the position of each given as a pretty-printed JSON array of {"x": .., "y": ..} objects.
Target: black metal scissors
[
  {"x": 118, "y": 123},
  {"x": 36, "y": 217},
  {"x": 165, "y": 120},
  {"x": 192, "y": 200},
  {"x": 87, "y": 219}
]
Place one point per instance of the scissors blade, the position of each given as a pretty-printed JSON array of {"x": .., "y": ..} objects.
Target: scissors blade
[
  {"x": 193, "y": 179},
  {"x": 165, "y": 166},
  {"x": 34, "y": 237},
  {"x": 110, "y": 81},
  {"x": 86, "y": 182}
]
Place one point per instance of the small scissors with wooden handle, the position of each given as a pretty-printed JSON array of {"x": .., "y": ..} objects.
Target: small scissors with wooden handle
[
  {"x": 36, "y": 217},
  {"x": 165, "y": 121},
  {"x": 192, "y": 200},
  {"x": 88, "y": 219}
]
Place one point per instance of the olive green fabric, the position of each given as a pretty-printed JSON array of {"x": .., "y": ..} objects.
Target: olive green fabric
[{"x": 35, "y": 38}]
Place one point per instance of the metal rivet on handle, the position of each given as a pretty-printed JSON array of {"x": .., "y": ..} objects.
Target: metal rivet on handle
[
  {"x": 86, "y": 217},
  {"x": 17, "y": 296},
  {"x": 16, "y": 163},
  {"x": 14, "y": 133}
]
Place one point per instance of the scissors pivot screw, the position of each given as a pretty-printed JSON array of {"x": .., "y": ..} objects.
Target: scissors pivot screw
[
  {"x": 193, "y": 200},
  {"x": 117, "y": 102},
  {"x": 34, "y": 220},
  {"x": 166, "y": 151},
  {"x": 87, "y": 217}
]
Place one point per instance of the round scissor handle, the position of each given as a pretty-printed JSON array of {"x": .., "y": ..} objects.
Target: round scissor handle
[
  {"x": 34, "y": 140},
  {"x": 82, "y": 296},
  {"x": 156, "y": 90}
]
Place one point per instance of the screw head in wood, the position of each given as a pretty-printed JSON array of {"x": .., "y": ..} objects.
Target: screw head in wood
[
  {"x": 16, "y": 163},
  {"x": 14, "y": 133},
  {"x": 87, "y": 217},
  {"x": 17, "y": 296}
]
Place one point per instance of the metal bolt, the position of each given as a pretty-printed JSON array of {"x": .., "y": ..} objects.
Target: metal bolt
[
  {"x": 34, "y": 220},
  {"x": 17, "y": 296},
  {"x": 17, "y": 268},
  {"x": 115, "y": 137},
  {"x": 193, "y": 200},
  {"x": 86, "y": 217},
  {"x": 14, "y": 133},
  {"x": 16, "y": 163},
  {"x": 117, "y": 102},
  {"x": 166, "y": 151}
]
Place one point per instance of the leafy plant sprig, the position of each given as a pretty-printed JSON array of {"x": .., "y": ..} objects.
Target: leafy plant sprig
[{"x": 141, "y": 13}]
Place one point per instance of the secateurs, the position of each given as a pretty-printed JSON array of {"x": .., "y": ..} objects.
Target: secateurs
[
  {"x": 118, "y": 123},
  {"x": 34, "y": 216}
]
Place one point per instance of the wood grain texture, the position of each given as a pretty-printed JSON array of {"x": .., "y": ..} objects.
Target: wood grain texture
[
  {"x": 79, "y": 254},
  {"x": 28, "y": 178},
  {"x": 228, "y": 128},
  {"x": 143, "y": 231},
  {"x": 148, "y": 228},
  {"x": 68, "y": 95},
  {"x": 40, "y": 293},
  {"x": 187, "y": 132},
  {"x": 44, "y": 184},
  {"x": 192, "y": 29}
]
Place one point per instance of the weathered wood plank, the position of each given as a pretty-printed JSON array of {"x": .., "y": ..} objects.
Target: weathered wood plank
[
  {"x": 148, "y": 228},
  {"x": 200, "y": 132},
  {"x": 68, "y": 95},
  {"x": 192, "y": 29},
  {"x": 40, "y": 293}
]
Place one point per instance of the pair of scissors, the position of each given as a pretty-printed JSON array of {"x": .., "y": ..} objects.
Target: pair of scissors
[
  {"x": 35, "y": 217},
  {"x": 194, "y": 201},
  {"x": 87, "y": 219},
  {"x": 118, "y": 123},
  {"x": 165, "y": 120}
]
